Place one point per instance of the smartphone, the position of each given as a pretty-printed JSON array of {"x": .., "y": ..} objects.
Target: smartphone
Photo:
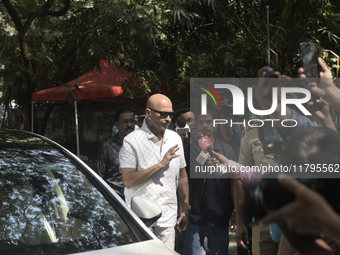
[
  {"x": 267, "y": 135},
  {"x": 182, "y": 225},
  {"x": 309, "y": 61},
  {"x": 270, "y": 74}
]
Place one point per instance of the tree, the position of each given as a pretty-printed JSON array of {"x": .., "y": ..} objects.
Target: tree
[
  {"x": 166, "y": 43},
  {"x": 22, "y": 22}
]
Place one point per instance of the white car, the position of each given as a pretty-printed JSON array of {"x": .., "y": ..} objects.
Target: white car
[{"x": 53, "y": 203}]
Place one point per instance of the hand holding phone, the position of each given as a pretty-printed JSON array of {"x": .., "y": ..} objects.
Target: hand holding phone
[
  {"x": 309, "y": 61},
  {"x": 181, "y": 226}
]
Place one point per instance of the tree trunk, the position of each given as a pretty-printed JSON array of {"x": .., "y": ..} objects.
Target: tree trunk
[
  {"x": 47, "y": 114},
  {"x": 6, "y": 107}
]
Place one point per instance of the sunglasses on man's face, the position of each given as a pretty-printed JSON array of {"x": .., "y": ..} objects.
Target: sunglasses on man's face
[{"x": 164, "y": 114}]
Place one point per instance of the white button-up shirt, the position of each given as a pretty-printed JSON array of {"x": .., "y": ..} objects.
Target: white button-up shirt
[{"x": 141, "y": 150}]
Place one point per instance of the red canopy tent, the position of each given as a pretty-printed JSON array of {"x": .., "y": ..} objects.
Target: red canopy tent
[{"x": 97, "y": 85}]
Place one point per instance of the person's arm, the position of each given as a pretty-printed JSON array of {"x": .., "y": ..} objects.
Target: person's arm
[
  {"x": 133, "y": 178},
  {"x": 232, "y": 222},
  {"x": 245, "y": 158},
  {"x": 323, "y": 116},
  {"x": 240, "y": 201},
  {"x": 183, "y": 195},
  {"x": 263, "y": 94},
  {"x": 332, "y": 226},
  {"x": 326, "y": 88},
  {"x": 101, "y": 162},
  {"x": 308, "y": 213},
  {"x": 304, "y": 244}
]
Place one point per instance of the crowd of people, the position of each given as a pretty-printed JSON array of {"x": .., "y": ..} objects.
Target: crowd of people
[{"x": 155, "y": 161}]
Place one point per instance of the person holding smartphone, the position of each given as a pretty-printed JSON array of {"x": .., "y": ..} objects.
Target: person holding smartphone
[
  {"x": 264, "y": 97},
  {"x": 326, "y": 88}
]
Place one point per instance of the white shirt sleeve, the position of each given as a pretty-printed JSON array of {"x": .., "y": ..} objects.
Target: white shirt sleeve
[{"x": 127, "y": 156}]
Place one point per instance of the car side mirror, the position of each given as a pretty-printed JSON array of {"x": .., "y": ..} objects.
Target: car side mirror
[{"x": 146, "y": 209}]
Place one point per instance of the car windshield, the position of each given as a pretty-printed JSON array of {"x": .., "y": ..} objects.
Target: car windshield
[{"x": 47, "y": 204}]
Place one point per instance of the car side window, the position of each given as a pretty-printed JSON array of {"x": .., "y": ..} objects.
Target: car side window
[{"x": 47, "y": 203}]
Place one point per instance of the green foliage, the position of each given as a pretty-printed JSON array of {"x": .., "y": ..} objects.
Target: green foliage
[{"x": 166, "y": 42}]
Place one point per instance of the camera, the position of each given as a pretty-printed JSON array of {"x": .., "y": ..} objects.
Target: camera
[{"x": 268, "y": 195}]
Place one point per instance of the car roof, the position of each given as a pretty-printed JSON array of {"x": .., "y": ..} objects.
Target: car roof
[{"x": 20, "y": 137}]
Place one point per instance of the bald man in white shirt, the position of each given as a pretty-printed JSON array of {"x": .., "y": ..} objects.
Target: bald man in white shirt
[{"x": 153, "y": 165}]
